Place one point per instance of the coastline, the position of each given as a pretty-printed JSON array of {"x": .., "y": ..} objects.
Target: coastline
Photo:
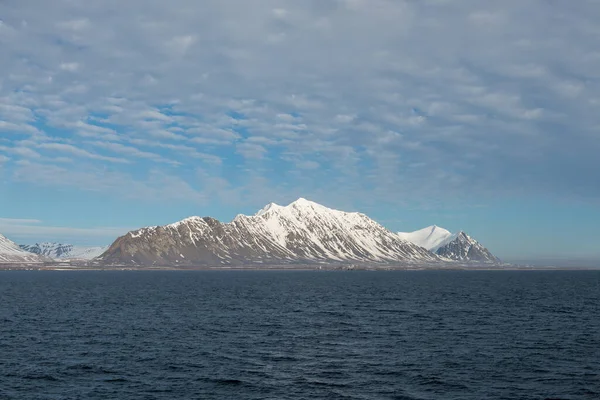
[{"x": 303, "y": 267}]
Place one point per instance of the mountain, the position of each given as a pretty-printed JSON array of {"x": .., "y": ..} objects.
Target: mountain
[
  {"x": 457, "y": 247},
  {"x": 302, "y": 232},
  {"x": 462, "y": 247},
  {"x": 61, "y": 251},
  {"x": 10, "y": 253},
  {"x": 430, "y": 238}
]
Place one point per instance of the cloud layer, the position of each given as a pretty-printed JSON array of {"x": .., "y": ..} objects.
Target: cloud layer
[{"x": 384, "y": 101}]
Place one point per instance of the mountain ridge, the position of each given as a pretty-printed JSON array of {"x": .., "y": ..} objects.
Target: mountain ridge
[
  {"x": 303, "y": 231},
  {"x": 11, "y": 253},
  {"x": 463, "y": 247},
  {"x": 61, "y": 251}
]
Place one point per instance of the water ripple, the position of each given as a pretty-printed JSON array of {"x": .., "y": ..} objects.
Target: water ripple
[{"x": 418, "y": 335}]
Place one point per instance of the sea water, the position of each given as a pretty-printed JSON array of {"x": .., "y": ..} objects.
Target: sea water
[{"x": 300, "y": 335}]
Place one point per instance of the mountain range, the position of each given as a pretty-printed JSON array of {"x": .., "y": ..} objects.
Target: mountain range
[
  {"x": 60, "y": 251},
  {"x": 303, "y": 232}
]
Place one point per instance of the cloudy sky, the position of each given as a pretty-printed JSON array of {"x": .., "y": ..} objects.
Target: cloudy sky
[{"x": 482, "y": 116}]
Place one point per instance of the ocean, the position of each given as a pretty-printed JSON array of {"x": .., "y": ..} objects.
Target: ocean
[{"x": 300, "y": 335}]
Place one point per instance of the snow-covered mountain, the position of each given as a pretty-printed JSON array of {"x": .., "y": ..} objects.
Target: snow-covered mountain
[
  {"x": 11, "y": 253},
  {"x": 462, "y": 247},
  {"x": 430, "y": 238},
  {"x": 457, "y": 247},
  {"x": 59, "y": 251},
  {"x": 302, "y": 232}
]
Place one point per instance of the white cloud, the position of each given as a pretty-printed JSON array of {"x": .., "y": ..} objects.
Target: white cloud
[
  {"x": 156, "y": 186},
  {"x": 25, "y": 152},
  {"x": 75, "y": 24},
  {"x": 155, "y": 114},
  {"x": 19, "y": 221},
  {"x": 76, "y": 151},
  {"x": 308, "y": 164},
  {"x": 71, "y": 67},
  {"x": 131, "y": 151},
  {"x": 10, "y": 127},
  {"x": 14, "y": 112},
  {"x": 179, "y": 45},
  {"x": 251, "y": 150}
]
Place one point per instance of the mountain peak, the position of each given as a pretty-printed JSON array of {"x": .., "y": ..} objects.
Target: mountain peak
[
  {"x": 462, "y": 247},
  {"x": 462, "y": 235},
  {"x": 192, "y": 219},
  {"x": 458, "y": 246},
  {"x": 299, "y": 203},
  {"x": 267, "y": 208},
  {"x": 302, "y": 202},
  {"x": 430, "y": 238}
]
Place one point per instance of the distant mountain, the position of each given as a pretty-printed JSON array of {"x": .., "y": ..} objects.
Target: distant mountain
[
  {"x": 59, "y": 251},
  {"x": 457, "y": 247},
  {"x": 10, "y": 253},
  {"x": 462, "y": 247},
  {"x": 430, "y": 238},
  {"x": 302, "y": 232}
]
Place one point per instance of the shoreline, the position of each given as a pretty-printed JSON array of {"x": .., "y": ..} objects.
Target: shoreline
[{"x": 377, "y": 268}]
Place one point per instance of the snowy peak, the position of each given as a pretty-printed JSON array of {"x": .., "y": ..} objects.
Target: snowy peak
[
  {"x": 462, "y": 247},
  {"x": 11, "y": 253},
  {"x": 302, "y": 202},
  {"x": 187, "y": 221},
  {"x": 462, "y": 237},
  {"x": 301, "y": 205},
  {"x": 430, "y": 238},
  {"x": 306, "y": 207},
  {"x": 267, "y": 208}
]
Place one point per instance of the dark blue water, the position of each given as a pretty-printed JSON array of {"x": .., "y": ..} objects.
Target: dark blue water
[{"x": 300, "y": 335}]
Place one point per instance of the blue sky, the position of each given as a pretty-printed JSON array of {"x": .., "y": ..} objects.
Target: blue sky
[{"x": 481, "y": 116}]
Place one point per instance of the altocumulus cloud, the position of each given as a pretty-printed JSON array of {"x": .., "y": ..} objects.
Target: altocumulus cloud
[{"x": 384, "y": 99}]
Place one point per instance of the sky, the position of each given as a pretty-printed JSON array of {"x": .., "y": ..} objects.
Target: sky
[{"x": 471, "y": 115}]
